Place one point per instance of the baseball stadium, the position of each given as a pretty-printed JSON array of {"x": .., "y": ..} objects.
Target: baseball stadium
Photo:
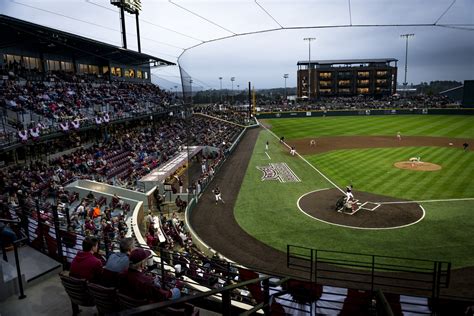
[{"x": 349, "y": 194}]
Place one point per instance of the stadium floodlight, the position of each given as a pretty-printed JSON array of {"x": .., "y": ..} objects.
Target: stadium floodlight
[
  {"x": 309, "y": 39},
  {"x": 232, "y": 79},
  {"x": 406, "y": 36},
  {"x": 285, "y": 76},
  {"x": 220, "y": 91},
  {"x": 132, "y": 7}
]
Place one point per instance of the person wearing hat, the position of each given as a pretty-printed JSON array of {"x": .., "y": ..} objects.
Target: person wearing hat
[
  {"x": 137, "y": 283},
  {"x": 349, "y": 194}
]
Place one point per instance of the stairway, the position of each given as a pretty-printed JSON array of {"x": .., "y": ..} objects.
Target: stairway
[{"x": 35, "y": 267}]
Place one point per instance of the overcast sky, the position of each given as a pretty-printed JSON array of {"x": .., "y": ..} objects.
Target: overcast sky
[{"x": 169, "y": 28}]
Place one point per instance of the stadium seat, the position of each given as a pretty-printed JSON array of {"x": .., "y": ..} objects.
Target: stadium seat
[
  {"x": 127, "y": 302},
  {"x": 77, "y": 291},
  {"x": 105, "y": 298}
]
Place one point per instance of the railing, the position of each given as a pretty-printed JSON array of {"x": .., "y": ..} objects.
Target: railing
[
  {"x": 226, "y": 299},
  {"x": 12, "y": 138},
  {"x": 371, "y": 272},
  {"x": 17, "y": 260}
]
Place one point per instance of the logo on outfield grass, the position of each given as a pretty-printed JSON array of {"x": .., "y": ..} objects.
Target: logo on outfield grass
[{"x": 278, "y": 171}]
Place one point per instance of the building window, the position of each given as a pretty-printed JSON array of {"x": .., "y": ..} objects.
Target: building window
[
  {"x": 139, "y": 74},
  {"x": 363, "y": 74},
  {"x": 127, "y": 73},
  {"x": 11, "y": 59},
  {"x": 131, "y": 73},
  {"x": 145, "y": 74},
  {"x": 325, "y": 91},
  {"x": 381, "y": 73},
  {"x": 53, "y": 65},
  {"x": 89, "y": 69},
  {"x": 362, "y": 82},
  {"x": 117, "y": 71},
  {"x": 93, "y": 69},
  {"x": 32, "y": 63},
  {"x": 325, "y": 83},
  {"x": 325, "y": 75},
  {"x": 105, "y": 70},
  {"x": 362, "y": 90},
  {"x": 345, "y": 90},
  {"x": 344, "y": 82},
  {"x": 66, "y": 66},
  {"x": 381, "y": 81}
]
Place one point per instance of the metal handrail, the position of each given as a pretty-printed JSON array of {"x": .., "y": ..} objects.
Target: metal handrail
[{"x": 227, "y": 289}]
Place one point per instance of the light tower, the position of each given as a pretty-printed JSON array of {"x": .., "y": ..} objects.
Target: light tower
[
  {"x": 232, "y": 79},
  {"x": 309, "y": 39},
  {"x": 220, "y": 91},
  {"x": 405, "y": 83},
  {"x": 132, "y": 7},
  {"x": 285, "y": 76}
]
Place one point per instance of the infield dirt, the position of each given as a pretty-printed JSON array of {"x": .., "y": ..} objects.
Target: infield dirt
[{"x": 324, "y": 144}]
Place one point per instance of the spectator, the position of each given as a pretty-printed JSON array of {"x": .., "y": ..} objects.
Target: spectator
[
  {"x": 86, "y": 265},
  {"x": 137, "y": 283},
  {"x": 117, "y": 263}
]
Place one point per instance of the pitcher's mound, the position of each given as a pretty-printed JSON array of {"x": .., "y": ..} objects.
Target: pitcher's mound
[{"x": 417, "y": 166}]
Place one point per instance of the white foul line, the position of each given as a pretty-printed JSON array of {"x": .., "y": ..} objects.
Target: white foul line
[
  {"x": 335, "y": 185},
  {"x": 268, "y": 156},
  {"x": 355, "y": 227},
  {"x": 428, "y": 201}
]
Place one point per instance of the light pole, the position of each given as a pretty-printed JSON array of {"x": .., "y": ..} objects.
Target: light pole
[
  {"x": 176, "y": 90},
  {"x": 191, "y": 90},
  {"x": 232, "y": 79},
  {"x": 220, "y": 91},
  {"x": 285, "y": 76},
  {"x": 309, "y": 39},
  {"x": 405, "y": 83}
]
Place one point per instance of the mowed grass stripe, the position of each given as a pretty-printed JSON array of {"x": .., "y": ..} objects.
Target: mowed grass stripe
[
  {"x": 362, "y": 167},
  {"x": 461, "y": 177},
  {"x": 436, "y": 127},
  {"x": 431, "y": 179},
  {"x": 425, "y": 125},
  {"x": 372, "y": 170}
]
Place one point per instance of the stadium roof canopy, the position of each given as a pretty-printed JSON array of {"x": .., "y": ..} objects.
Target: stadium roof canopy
[
  {"x": 348, "y": 61},
  {"x": 19, "y": 33}
]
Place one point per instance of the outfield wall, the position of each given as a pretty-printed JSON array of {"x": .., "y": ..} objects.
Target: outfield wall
[{"x": 267, "y": 115}]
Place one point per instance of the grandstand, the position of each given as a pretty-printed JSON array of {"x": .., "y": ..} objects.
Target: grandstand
[{"x": 91, "y": 148}]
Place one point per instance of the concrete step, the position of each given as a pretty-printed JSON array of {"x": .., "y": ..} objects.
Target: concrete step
[{"x": 35, "y": 268}]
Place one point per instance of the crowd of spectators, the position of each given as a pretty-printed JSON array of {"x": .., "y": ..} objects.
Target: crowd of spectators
[
  {"x": 225, "y": 113},
  {"x": 64, "y": 101},
  {"x": 367, "y": 102}
]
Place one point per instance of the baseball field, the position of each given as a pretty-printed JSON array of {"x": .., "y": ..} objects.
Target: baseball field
[{"x": 422, "y": 214}]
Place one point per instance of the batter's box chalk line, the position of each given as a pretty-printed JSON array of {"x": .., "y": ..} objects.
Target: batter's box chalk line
[{"x": 370, "y": 206}]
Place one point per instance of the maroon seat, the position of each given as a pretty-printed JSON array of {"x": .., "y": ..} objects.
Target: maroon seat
[
  {"x": 77, "y": 291},
  {"x": 105, "y": 298}
]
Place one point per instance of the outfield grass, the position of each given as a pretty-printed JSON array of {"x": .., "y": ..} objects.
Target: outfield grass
[
  {"x": 268, "y": 211},
  {"x": 372, "y": 170},
  {"x": 459, "y": 126}
]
